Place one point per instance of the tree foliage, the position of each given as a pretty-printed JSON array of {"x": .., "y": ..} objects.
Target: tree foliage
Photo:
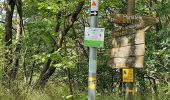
[{"x": 51, "y": 49}]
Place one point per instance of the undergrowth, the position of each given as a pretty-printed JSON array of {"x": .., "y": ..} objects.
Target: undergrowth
[{"x": 61, "y": 92}]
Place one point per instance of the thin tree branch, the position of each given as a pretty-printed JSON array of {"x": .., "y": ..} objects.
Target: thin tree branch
[{"x": 73, "y": 19}]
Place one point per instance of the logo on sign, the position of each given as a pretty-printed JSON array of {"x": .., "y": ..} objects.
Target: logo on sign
[{"x": 93, "y": 3}]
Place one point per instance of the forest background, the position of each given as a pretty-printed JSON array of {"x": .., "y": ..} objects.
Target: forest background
[{"x": 42, "y": 55}]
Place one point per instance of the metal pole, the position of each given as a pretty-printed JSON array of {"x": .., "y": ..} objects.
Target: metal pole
[
  {"x": 92, "y": 74},
  {"x": 93, "y": 54}
]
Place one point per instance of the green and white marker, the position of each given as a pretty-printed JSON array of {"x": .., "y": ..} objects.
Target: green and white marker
[{"x": 94, "y": 37}]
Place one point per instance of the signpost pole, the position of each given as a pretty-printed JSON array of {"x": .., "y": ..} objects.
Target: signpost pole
[
  {"x": 130, "y": 85},
  {"x": 93, "y": 54}
]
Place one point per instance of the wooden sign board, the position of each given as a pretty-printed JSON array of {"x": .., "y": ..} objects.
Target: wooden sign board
[
  {"x": 123, "y": 32},
  {"x": 125, "y": 19},
  {"x": 135, "y": 50},
  {"x": 131, "y": 26},
  {"x": 138, "y": 38},
  {"x": 127, "y": 75},
  {"x": 136, "y": 62},
  {"x": 129, "y": 40},
  {"x": 132, "y": 19}
]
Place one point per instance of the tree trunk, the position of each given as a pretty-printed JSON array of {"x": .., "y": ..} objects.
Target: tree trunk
[
  {"x": 24, "y": 67},
  {"x": 13, "y": 72},
  {"x": 70, "y": 85},
  {"x": 44, "y": 78},
  {"x": 8, "y": 40},
  {"x": 31, "y": 73},
  {"x": 48, "y": 70}
]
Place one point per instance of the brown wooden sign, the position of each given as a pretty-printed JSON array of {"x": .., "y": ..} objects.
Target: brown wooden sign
[
  {"x": 127, "y": 62},
  {"x": 138, "y": 38},
  {"x": 123, "y": 32},
  {"x": 135, "y": 50},
  {"x": 131, "y": 26},
  {"x": 133, "y": 19},
  {"x": 129, "y": 40},
  {"x": 125, "y": 19}
]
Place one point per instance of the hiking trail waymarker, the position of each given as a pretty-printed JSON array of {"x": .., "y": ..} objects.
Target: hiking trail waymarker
[
  {"x": 94, "y": 37},
  {"x": 128, "y": 75},
  {"x": 94, "y": 8}
]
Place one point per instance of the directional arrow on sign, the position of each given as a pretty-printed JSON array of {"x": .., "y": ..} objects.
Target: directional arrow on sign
[{"x": 95, "y": 13}]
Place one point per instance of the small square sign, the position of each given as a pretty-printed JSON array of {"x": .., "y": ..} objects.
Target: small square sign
[
  {"x": 128, "y": 75},
  {"x": 94, "y": 37}
]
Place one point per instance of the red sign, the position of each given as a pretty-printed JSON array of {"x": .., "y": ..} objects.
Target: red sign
[{"x": 93, "y": 3}]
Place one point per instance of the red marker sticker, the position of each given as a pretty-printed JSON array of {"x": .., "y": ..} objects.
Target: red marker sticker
[{"x": 93, "y": 3}]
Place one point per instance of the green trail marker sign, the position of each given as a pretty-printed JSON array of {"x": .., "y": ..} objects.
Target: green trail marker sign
[{"x": 94, "y": 37}]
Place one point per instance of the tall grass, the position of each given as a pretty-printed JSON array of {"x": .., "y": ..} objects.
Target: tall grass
[{"x": 61, "y": 92}]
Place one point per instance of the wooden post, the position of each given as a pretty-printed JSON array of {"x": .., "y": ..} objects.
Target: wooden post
[
  {"x": 128, "y": 44},
  {"x": 130, "y": 85}
]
